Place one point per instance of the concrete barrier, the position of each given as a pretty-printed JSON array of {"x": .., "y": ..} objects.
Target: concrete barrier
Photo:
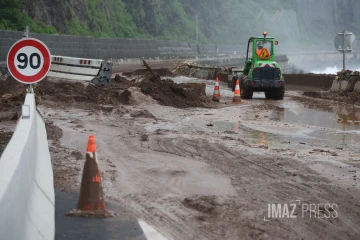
[
  {"x": 357, "y": 87},
  {"x": 345, "y": 86},
  {"x": 309, "y": 81},
  {"x": 346, "y": 81},
  {"x": 336, "y": 86},
  {"x": 27, "y": 198}
]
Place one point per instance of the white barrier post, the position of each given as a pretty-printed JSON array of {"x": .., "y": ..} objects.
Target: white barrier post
[{"x": 27, "y": 199}]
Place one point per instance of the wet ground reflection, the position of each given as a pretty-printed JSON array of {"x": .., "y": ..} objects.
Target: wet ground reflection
[{"x": 338, "y": 123}]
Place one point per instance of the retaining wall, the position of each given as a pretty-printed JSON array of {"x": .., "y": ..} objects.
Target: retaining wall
[
  {"x": 175, "y": 49},
  {"x": 309, "y": 81},
  {"x": 105, "y": 48},
  {"x": 85, "y": 47},
  {"x": 27, "y": 198}
]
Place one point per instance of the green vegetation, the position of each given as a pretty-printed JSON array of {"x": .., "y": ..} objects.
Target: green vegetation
[
  {"x": 105, "y": 19},
  {"x": 229, "y": 21},
  {"x": 12, "y": 18},
  {"x": 219, "y": 21}
]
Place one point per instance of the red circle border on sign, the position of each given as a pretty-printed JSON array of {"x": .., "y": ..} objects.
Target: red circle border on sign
[{"x": 43, "y": 50}]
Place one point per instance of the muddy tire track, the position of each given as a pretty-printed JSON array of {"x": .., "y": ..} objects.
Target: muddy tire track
[{"x": 260, "y": 180}]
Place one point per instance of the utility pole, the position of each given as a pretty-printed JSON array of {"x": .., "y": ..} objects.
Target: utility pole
[
  {"x": 197, "y": 28},
  {"x": 27, "y": 35},
  {"x": 344, "y": 50}
]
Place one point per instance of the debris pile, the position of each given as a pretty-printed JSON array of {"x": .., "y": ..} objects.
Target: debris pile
[
  {"x": 12, "y": 95},
  {"x": 189, "y": 68},
  {"x": 347, "y": 75},
  {"x": 65, "y": 93},
  {"x": 12, "y": 87},
  {"x": 121, "y": 82},
  {"x": 185, "y": 68},
  {"x": 168, "y": 93},
  {"x": 70, "y": 92}
]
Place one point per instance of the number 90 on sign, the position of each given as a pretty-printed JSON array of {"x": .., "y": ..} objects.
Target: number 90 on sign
[{"x": 29, "y": 60}]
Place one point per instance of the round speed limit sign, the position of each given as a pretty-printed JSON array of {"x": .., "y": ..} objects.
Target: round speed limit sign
[{"x": 29, "y": 60}]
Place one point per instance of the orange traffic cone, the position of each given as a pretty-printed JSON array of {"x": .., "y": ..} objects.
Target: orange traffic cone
[
  {"x": 237, "y": 97},
  {"x": 91, "y": 200},
  {"x": 216, "y": 95}
]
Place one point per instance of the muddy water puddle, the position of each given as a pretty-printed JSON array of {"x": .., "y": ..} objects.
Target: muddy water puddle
[
  {"x": 337, "y": 123},
  {"x": 338, "y": 126}
]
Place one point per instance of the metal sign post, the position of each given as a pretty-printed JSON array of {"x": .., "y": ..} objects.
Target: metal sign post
[
  {"x": 343, "y": 35},
  {"x": 344, "y": 43},
  {"x": 26, "y": 35}
]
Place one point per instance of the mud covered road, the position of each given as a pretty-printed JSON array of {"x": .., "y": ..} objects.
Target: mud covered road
[{"x": 211, "y": 173}]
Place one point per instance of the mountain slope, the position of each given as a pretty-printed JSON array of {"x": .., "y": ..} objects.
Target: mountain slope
[{"x": 229, "y": 21}]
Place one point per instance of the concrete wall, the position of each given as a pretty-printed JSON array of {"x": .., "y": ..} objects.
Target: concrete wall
[
  {"x": 105, "y": 48},
  {"x": 175, "y": 49},
  {"x": 321, "y": 82},
  {"x": 27, "y": 198},
  {"x": 85, "y": 47}
]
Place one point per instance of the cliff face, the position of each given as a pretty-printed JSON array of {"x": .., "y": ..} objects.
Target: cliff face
[
  {"x": 230, "y": 21},
  {"x": 327, "y": 17},
  {"x": 54, "y": 12}
]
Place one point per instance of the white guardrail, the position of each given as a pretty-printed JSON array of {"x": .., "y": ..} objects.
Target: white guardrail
[
  {"x": 74, "y": 68},
  {"x": 97, "y": 71},
  {"x": 27, "y": 198}
]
